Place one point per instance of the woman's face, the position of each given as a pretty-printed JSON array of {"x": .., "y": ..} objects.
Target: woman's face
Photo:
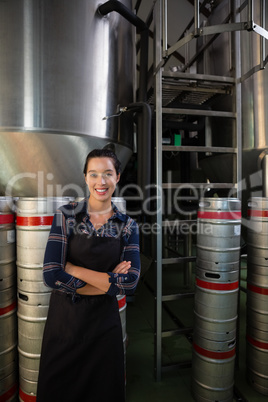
[{"x": 101, "y": 178}]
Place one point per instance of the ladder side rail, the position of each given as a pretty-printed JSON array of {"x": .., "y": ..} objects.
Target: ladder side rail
[{"x": 158, "y": 124}]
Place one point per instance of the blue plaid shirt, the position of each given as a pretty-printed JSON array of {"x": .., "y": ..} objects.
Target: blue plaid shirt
[{"x": 56, "y": 251}]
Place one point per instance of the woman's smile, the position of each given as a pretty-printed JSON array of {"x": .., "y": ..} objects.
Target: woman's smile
[{"x": 101, "y": 191}]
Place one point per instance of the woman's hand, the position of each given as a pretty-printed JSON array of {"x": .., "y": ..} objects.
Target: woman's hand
[
  {"x": 69, "y": 268},
  {"x": 98, "y": 281},
  {"x": 122, "y": 267}
]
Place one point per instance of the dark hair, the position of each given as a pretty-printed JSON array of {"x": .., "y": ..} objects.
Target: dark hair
[{"x": 103, "y": 153}]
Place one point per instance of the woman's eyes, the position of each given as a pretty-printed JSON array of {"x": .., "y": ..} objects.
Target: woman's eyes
[{"x": 95, "y": 175}]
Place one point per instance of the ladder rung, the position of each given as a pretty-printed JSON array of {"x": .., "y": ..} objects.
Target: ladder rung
[
  {"x": 168, "y": 367},
  {"x": 172, "y": 332},
  {"x": 190, "y": 148},
  {"x": 198, "y": 185},
  {"x": 177, "y": 296},
  {"x": 199, "y": 77},
  {"x": 175, "y": 260},
  {"x": 177, "y": 222},
  {"x": 198, "y": 112}
]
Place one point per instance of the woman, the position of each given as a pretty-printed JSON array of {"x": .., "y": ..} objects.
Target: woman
[{"x": 92, "y": 255}]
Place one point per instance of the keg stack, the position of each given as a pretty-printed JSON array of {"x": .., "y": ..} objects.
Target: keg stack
[
  {"x": 216, "y": 299},
  {"x": 8, "y": 305},
  {"x": 34, "y": 219},
  {"x": 257, "y": 295}
]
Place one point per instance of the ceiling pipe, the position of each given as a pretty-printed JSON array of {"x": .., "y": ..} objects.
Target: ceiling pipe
[
  {"x": 143, "y": 30},
  {"x": 141, "y": 107},
  {"x": 144, "y": 145}
]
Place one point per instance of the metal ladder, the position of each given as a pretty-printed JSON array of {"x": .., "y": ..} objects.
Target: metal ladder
[{"x": 173, "y": 84}]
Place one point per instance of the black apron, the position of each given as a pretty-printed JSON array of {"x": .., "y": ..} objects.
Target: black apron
[{"x": 82, "y": 358}]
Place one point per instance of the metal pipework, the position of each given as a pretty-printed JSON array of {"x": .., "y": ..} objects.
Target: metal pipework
[
  {"x": 144, "y": 145},
  {"x": 114, "y": 5},
  {"x": 196, "y": 18},
  {"x": 250, "y": 10},
  {"x": 144, "y": 121},
  {"x": 262, "y": 39},
  {"x": 164, "y": 26}
]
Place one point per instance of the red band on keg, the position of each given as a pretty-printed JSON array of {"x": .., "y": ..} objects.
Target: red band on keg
[
  {"x": 259, "y": 344},
  {"x": 219, "y": 215},
  {"x": 7, "y": 218},
  {"x": 7, "y": 395},
  {"x": 217, "y": 286},
  {"x": 214, "y": 355},
  {"x": 257, "y": 289},
  {"x": 257, "y": 213},
  {"x": 26, "y": 397},
  {"x": 7, "y": 309},
  {"x": 34, "y": 220},
  {"x": 121, "y": 302}
]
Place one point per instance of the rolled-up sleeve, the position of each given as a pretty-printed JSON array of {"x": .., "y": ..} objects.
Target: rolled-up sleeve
[
  {"x": 126, "y": 284},
  {"x": 55, "y": 258}
]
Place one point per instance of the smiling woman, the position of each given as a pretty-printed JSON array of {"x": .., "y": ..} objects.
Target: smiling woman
[
  {"x": 92, "y": 255},
  {"x": 102, "y": 173},
  {"x": 101, "y": 178}
]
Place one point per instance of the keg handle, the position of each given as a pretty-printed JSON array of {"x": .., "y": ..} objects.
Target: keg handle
[
  {"x": 231, "y": 344},
  {"x": 252, "y": 204},
  {"x": 204, "y": 204},
  {"x": 23, "y": 297},
  {"x": 212, "y": 275}
]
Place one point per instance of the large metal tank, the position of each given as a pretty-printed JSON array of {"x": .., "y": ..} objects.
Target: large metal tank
[
  {"x": 63, "y": 68},
  {"x": 254, "y": 102},
  {"x": 219, "y": 60}
]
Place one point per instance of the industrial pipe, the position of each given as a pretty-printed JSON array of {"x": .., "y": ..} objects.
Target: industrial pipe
[
  {"x": 196, "y": 18},
  {"x": 114, "y": 5},
  {"x": 144, "y": 145},
  {"x": 144, "y": 122}
]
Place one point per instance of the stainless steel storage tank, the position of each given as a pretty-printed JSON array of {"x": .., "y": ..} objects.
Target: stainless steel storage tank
[
  {"x": 219, "y": 60},
  {"x": 63, "y": 67},
  {"x": 254, "y": 100}
]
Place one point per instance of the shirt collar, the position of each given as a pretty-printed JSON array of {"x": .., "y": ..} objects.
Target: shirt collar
[{"x": 117, "y": 214}]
